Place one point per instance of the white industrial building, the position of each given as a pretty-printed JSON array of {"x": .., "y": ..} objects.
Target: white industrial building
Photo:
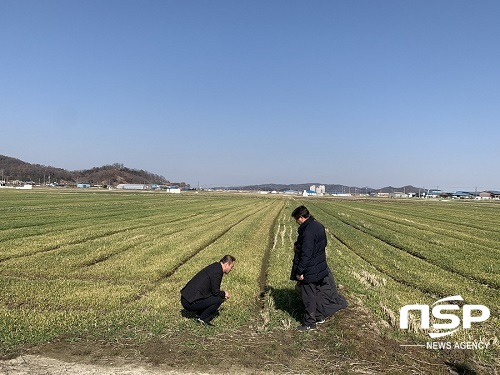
[{"x": 132, "y": 186}]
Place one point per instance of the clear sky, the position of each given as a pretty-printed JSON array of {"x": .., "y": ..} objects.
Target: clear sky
[{"x": 226, "y": 93}]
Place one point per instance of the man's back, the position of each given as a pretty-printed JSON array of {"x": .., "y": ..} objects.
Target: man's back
[
  {"x": 312, "y": 263},
  {"x": 204, "y": 284}
]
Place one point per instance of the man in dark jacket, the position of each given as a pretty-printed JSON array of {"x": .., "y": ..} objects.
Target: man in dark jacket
[
  {"x": 202, "y": 293},
  {"x": 309, "y": 265}
]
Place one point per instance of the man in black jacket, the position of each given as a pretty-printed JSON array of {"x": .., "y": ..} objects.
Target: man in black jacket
[
  {"x": 202, "y": 293},
  {"x": 309, "y": 265}
]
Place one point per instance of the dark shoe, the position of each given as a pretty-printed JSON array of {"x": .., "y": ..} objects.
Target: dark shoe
[
  {"x": 203, "y": 323},
  {"x": 306, "y": 327}
]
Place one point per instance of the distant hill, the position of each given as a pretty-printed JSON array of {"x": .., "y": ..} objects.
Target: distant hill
[{"x": 14, "y": 169}]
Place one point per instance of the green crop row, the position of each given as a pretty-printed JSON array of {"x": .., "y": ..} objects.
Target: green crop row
[
  {"x": 479, "y": 221},
  {"x": 449, "y": 253}
]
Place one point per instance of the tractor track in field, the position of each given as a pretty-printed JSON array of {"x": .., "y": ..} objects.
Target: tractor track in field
[
  {"x": 192, "y": 255},
  {"x": 106, "y": 257},
  {"x": 410, "y": 253},
  {"x": 423, "y": 258},
  {"x": 421, "y": 226},
  {"x": 443, "y": 221},
  {"x": 95, "y": 237},
  {"x": 264, "y": 270},
  {"x": 74, "y": 224},
  {"x": 383, "y": 272},
  {"x": 400, "y": 281},
  {"x": 102, "y": 235},
  {"x": 75, "y": 242},
  {"x": 262, "y": 306},
  {"x": 86, "y": 239},
  {"x": 164, "y": 235}
]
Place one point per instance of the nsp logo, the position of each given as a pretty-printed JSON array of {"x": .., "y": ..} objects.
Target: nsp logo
[{"x": 438, "y": 312}]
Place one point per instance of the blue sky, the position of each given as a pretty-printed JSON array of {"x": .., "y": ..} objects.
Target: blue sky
[{"x": 225, "y": 93}]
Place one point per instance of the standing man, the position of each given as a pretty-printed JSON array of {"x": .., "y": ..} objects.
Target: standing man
[
  {"x": 202, "y": 293},
  {"x": 309, "y": 266}
]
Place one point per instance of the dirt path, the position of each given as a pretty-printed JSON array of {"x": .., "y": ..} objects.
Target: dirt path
[{"x": 38, "y": 365}]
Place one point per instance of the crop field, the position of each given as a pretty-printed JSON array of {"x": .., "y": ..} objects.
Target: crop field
[{"x": 109, "y": 266}]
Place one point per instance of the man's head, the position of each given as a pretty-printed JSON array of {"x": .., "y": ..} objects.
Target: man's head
[
  {"x": 227, "y": 263},
  {"x": 301, "y": 214}
]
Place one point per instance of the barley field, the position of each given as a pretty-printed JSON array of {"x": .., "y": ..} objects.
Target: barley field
[{"x": 110, "y": 265}]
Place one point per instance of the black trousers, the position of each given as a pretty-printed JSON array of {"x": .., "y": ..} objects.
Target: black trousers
[
  {"x": 204, "y": 308},
  {"x": 313, "y": 302},
  {"x": 332, "y": 300}
]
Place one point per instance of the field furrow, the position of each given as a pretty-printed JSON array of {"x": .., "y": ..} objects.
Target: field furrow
[{"x": 429, "y": 246}]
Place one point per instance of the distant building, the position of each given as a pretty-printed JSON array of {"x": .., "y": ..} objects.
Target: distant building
[
  {"x": 83, "y": 186},
  {"x": 462, "y": 195},
  {"x": 319, "y": 190},
  {"x": 173, "y": 190},
  {"x": 308, "y": 193},
  {"x": 25, "y": 187},
  {"x": 338, "y": 194},
  {"x": 398, "y": 194},
  {"x": 132, "y": 186},
  {"x": 434, "y": 194},
  {"x": 489, "y": 195}
]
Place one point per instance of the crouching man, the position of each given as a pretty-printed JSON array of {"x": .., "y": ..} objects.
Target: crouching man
[{"x": 202, "y": 294}]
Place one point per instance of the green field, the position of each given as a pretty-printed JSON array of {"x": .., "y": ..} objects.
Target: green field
[{"x": 110, "y": 265}]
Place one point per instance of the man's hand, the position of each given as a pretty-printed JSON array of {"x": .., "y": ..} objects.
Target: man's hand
[
  {"x": 300, "y": 277},
  {"x": 227, "y": 294}
]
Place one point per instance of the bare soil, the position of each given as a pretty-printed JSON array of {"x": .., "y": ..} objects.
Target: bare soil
[{"x": 349, "y": 343}]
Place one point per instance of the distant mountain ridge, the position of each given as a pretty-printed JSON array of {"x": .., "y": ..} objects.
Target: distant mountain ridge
[
  {"x": 331, "y": 188},
  {"x": 14, "y": 169}
]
